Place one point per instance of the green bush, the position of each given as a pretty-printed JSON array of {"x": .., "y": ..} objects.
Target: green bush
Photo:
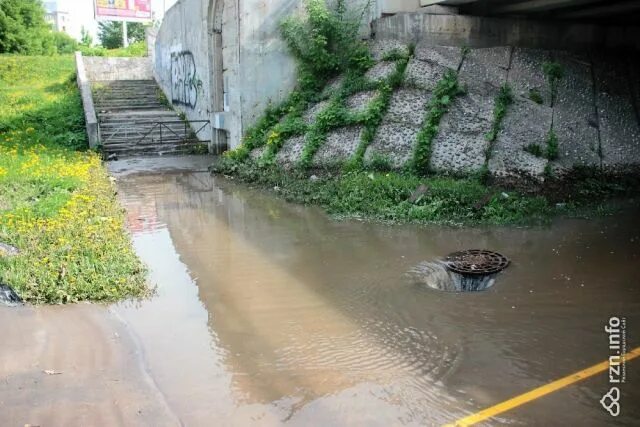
[
  {"x": 23, "y": 28},
  {"x": 65, "y": 44},
  {"x": 110, "y": 33},
  {"x": 92, "y": 51},
  {"x": 325, "y": 41},
  {"x": 134, "y": 49}
]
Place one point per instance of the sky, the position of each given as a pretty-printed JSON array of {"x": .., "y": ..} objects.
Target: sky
[{"x": 81, "y": 14}]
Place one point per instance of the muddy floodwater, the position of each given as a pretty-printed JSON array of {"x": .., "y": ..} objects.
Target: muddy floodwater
[{"x": 270, "y": 314}]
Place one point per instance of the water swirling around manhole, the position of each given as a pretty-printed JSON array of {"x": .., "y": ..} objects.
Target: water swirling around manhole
[{"x": 465, "y": 271}]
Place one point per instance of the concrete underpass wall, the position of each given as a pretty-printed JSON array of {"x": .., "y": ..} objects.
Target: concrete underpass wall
[
  {"x": 181, "y": 61},
  {"x": 257, "y": 69}
]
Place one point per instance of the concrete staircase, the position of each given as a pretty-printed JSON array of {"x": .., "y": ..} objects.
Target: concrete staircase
[{"x": 135, "y": 119}]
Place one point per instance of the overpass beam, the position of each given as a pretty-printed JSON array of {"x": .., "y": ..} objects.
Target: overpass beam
[
  {"x": 614, "y": 9},
  {"x": 539, "y": 6},
  {"x": 424, "y": 3}
]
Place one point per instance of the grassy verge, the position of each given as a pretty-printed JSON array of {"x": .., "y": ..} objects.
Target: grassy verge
[
  {"x": 57, "y": 205},
  {"x": 398, "y": 197},
  {"x": 407, "y": 197}
]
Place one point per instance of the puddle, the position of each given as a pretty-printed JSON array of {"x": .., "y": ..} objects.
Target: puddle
[
  {"x": 315, "y": 321},
  {"x": 272, "y": 314}
]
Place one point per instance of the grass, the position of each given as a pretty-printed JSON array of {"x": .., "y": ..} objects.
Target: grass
[
  {"x": 57, "y": 205},
  {"x": 386, "y": 196},
  {"x": 443, "y": 95},
  {"x": 535, "y": 96},
  {"x": 502, "y": 102}
]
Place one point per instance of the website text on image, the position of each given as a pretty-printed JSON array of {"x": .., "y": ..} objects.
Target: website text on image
[{"x": 123, "y": 10}]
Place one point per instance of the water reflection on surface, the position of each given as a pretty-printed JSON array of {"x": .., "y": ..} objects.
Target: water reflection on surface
[{"x": 270, "y": 313}]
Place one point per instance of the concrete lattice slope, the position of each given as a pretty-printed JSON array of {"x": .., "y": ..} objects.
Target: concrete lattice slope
[{"x": 592, "y": 113}]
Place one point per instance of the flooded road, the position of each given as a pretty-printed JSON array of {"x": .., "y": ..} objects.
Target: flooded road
[{"x": 272, "y": 314}]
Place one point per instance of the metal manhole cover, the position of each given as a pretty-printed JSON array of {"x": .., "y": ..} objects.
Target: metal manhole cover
[{"x": 476, "y": 262}]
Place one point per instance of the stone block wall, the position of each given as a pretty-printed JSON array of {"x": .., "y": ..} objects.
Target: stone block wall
[{"x": 101, "y": 68}]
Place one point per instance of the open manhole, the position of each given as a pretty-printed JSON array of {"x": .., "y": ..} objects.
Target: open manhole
[
  {"x": 476, "y": 262},
  {"x": 465, "y": 271}
]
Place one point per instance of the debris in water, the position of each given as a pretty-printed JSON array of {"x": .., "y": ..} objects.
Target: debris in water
[
  {"x": 8, "y": 296},
  {"x": 436, "y": 275},
  {"x": 418, "y": 193},
  {"x": 8, "y": 250}
]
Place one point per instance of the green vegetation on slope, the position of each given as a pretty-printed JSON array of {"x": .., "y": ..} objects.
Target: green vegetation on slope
[
  {"x": 397, "y": 197},
  {"x": 373, "y": 190},
  {"x": 57, "y": 205},
  {"x": 443, "y": 95}
]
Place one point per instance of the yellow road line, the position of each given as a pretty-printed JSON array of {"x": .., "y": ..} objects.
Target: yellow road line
[{"x": 538, "y": 392}]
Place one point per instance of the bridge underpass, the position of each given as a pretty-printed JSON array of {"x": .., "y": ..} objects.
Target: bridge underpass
[{"x": 593, "y": 11}]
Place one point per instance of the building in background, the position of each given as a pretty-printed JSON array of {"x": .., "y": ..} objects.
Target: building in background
[{"x": 58, "y": 17}]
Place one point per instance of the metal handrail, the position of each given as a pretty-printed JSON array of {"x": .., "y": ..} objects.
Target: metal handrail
[{"x": 188, "y": 136}]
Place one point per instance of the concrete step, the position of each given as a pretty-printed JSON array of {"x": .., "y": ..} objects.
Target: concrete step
[
  {"x": 133, "y": 144},
  {"x": 162, "y": 149},
  {"x": 139, "y": 125},
  {"x": 130, "y": 101},
  {"x": 134, "y": 105},
  {"x": 110, "y": 138},
  {"x": 108, "y": 135},
  {"x": 113, "y": 84},
  {"x": 111, "y": 109},
  {"x": 174, "y": 124},
  {"x": 140, "y": 121},
  {"x": 116, "y": 108},
  {"x": 129, "y": 96},
  {"x": 129, "y": 112},
  {"x": 134, "y": 116},
  {"x": 116, "y": 134}
]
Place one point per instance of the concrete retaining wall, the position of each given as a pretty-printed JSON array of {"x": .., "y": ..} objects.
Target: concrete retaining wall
[
  {"x": 473, "y": 31},
  {"x": 224, "y": 60},
  {"x": 257, "y": 69},
  {"x": 90, "y": 118},
  {"x": 100, "y": 68}
]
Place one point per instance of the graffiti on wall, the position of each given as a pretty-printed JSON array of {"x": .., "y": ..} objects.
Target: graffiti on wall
[{"x": 184, "y": 81}]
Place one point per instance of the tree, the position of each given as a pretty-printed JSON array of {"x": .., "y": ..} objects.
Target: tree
[
  {"x": 85, "y": 37},
  {"x": 65, "y": 44},
  {"x": 110, "y": 33},
  {"x": 23, "y": 28}
]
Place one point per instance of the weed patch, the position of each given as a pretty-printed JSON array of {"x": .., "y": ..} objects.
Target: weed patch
[
  {"x": 554, "y": 72},
  {"x": 386, "y": 196},
  {"x": 57, "y": 204},
  {"x": 443, "y": 95},
  {"x": 535, "y": 96}
]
